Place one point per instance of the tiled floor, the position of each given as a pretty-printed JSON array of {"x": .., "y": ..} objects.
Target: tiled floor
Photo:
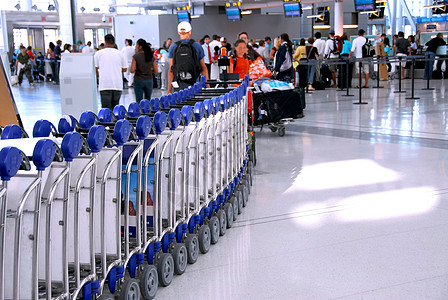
[{"x": 351, "y": 204}]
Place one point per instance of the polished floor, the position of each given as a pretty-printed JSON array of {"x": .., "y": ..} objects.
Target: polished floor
[{"x": 352, "y": 203}]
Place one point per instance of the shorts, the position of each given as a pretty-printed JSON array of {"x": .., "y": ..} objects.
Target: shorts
[
  {"x": 403, "y": 62},
  {"x": 365, "y": 69}
]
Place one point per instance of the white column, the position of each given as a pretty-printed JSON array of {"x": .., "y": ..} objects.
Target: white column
[
  {"x": 399, "y": 16},
  {"x": 428, "y": 11},
  {"x": 4, "y": 46},
  {"x": 26, "y": 5},
  {"x": 65, "y": 21},
  {"x": 338, "y": 17},
  {"x": 392, "y": 18}
]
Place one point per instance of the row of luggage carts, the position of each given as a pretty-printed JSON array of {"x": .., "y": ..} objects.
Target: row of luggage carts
[{"x": 113, "y": 205}]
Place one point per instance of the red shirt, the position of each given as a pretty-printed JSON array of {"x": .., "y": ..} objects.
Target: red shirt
[
  {"x": 242, "y": 66},
  {"x": 30, "y": 53}
]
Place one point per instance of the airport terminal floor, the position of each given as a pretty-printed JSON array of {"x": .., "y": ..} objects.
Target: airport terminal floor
[{"x": 350, "y": 204}]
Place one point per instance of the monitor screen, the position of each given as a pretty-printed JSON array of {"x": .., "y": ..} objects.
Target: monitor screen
[
  {"x": 183, "y": 16},
  {"x": 292, "y": 9},
  {"x": 233, "y": 13},
  {"x": 363, "y": 5}
]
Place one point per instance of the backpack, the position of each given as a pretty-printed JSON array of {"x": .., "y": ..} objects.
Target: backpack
[
  {"x": 185, "y": 65},
  {"x": 367, "y": 49},
  {"x": 338, "y": 44}
]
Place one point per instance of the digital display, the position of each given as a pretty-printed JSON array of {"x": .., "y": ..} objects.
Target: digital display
[
  {"x": 233, "y": 13},
  {"x": 183, "y": 16},
  {"x": 292, "y": 9},
  {"x": 363, "y": 5}
]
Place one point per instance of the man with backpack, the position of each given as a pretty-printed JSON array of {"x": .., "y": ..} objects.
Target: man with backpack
[
  {"x": 186, "y": 60},
  {"x": 361, "y": 48},
  {"x": 332, "y": 52}
]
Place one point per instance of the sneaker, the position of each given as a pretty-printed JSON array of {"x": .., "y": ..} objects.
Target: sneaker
[
  {"x": 310, "y": 88},
  {"x": 31, "y": 83}
]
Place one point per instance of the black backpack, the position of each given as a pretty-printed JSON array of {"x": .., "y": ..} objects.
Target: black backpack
[
  {"x": 186, "y": 66},
  {"x": 367, "y": 49}
]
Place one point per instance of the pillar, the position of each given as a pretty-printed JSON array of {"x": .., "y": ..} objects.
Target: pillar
[
  {"x": 399, "y": 17},
  {"x": 26, "y": 5},
  {"x": 392, "y": 18},
  {"x": 338, "y": 17},
  {"x": 67, "y": 21},
  {"x": 3, "y": 32}
]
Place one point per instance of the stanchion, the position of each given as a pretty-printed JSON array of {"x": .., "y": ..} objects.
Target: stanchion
[
  {"x": 347, "y": 67},
  {"x": 427, "y": 88},
  {"x": 378, "y": 78},
  {"x": 360, "y": 85},
  {"x": 340, "y": 79},
  {"x": 412, "y": 80},
  {"x": 399, "y": 77}
]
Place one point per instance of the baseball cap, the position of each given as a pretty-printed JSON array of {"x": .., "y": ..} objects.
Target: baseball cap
[
  {"x": 332, "y": 32},
  {"x": 183, "y": 27},
  {"x": 223, "y": 39}
]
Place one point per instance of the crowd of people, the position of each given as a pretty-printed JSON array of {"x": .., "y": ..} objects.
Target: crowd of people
[{"x": 180, "y": 63}]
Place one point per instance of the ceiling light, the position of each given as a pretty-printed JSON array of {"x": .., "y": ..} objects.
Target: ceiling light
[
  {"x": 350, "y": 26},
  {"x": 246, "y": 12},
  {"x": 321, "y": 27},
  {"x": 34, "y": 7},
  {"x": 314, "y": 16},
  {"x": 96, "y": 9},
  {"x": 434, "y": 6},
  {"x": 307, "y": 8},
  {"x": 368, "y": 12},
  {"x": 380, "y": 1},
  {"x": 195, "y": 17},
  {"x": 51, "y": 7},
  {"x": 17, "y": 6}
]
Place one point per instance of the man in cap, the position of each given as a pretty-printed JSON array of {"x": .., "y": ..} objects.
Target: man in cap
[
  {"x": 186, "y": 60},
  {"x": 226, "y": 45},
  {"x": 329, "y": 53}
]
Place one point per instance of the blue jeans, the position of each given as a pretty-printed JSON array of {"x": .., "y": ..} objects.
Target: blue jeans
[
  {"x": 311, "y": 71},
  {"x": 429, "y": 64},
  {"x": 142, "y": 87}
]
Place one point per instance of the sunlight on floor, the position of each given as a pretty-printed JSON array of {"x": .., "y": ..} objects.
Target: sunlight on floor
[{"x": 342, "y": 174}]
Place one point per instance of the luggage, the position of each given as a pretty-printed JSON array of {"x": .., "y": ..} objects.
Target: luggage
[
  {"x": 273, "y": 106},
  {"x": 325, "y": 74}
]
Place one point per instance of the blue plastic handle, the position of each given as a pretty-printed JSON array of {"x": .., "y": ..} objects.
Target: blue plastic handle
[
  {"x": 177, "y": 97},
  {"x": 175, "y": 118},
  {"x": 43, "y": 154},
  {"x": 143, "y": 127},
  {"x": 155, "y": 104},
  {"x": 134, "y": 110},
  {"x": 71, "y": 145},
  {"x": 223, "y": 102},
  {"x": 199, "y": 111},
  {"x": 120, "y": 112},
  {"x": 145, "y": 106},
  {"x": 165, "y": 102},
  {"x": 187, "y": 113},
  {"x": 160, "y": 120},
  {"x": 96, "y": 138},
  {"x": 66, "y": 124},
  {"x": 105, "y": 115},
  {"x": 208, "y": 104},
  {"x": 87, "y": 120},
  {"x": 172, "y": 99},
  {"x": 10, "y": 160},
  {"x": 122, "y": 131},
  {"x": 42, "y": 128}
]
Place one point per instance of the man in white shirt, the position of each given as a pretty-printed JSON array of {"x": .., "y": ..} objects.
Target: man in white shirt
[
  {"x": 329, "y": 48},
  {"x": 357, "y": 45},
  {"x": 214, "y": 68},
  {"x": 128, "y": 52},
  {"x": 110, "y": 64},
  {"x": 208, "y": 58},
  {"x": 320, "y": 46},
  {"x": 88, "y": 48},
  {"x": 263, "y": 51}
]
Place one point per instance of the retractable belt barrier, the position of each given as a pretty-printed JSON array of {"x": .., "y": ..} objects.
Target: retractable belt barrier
[
  {"x": 114, "y": 204},
  {"x": 399, "y": 60}
]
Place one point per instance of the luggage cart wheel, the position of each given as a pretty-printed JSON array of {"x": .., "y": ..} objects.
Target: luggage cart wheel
[
  {"x": 273, "y": 128},
  {"x": 214, "y": 229},
  {"x": 204, "y": 238},
  {"x": 180, "y": 257},
  {"x": 222, "y": 217},
  {"x": 281, "y": 131},
  {"x": 106, "y": 297},
  {"x": 130, "y": 289},
  {"x": 239, "y": 197},
  {"x": 165, "y": 268},
  {"x": 245, "y": 193},
  {"x": 229, "y": 214},
  {"x": 192, "y": 244},
  {"x": 149, "y": 281},
  {"x": 234, "y": 203}
]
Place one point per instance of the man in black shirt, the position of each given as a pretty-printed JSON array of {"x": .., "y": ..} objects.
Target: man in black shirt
[
  {"x": 57, "y": 61},
  {"x": 402, "y": 48},
  {"x": 431, "y": 53}
]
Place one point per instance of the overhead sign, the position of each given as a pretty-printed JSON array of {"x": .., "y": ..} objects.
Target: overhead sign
[
  {"x": 433, "y": 19},
  {"x": 431, "y": 27}
]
